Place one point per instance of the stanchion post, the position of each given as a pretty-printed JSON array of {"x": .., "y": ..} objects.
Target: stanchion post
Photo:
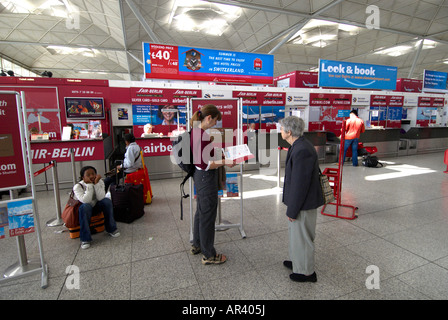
[
  {"x": 72, "y": 159},
  {"x": 58, "y": 220},
  {"x": 278, "y": 167}
]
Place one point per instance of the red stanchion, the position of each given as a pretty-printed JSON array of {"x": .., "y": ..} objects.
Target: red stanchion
[
  {"x": 335, "y": 178},
  {"x": 51, "y": 165}
]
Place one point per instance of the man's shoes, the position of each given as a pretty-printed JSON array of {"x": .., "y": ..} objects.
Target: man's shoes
[
  {"x": 303, "y": 278},
  {"x": 287, "y": 264}
]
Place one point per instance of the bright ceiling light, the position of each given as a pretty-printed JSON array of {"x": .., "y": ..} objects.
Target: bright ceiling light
[
  {"x": 395, "y": 51},
  {"x": 427, "y": 44},
  {"x": 86, "y": 52},
  {"x": 200, "y": 16},
  {"x": 55, "y": 8}
]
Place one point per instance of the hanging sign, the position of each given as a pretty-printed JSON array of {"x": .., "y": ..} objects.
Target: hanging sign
[
  {"x": 12, "y": 149},
  {"x": 340, "y": 74},
  {"x": 199, "y": 64},
  {"x": 435, "y": 81}
]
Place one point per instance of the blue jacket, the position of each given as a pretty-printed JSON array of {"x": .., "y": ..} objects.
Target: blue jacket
[{"x": 301, "y": 188}]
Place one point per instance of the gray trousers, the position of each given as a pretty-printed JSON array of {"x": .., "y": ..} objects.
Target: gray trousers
[
  {"x": 206, "y": 184},
  {"x": 302, "y": 232}
]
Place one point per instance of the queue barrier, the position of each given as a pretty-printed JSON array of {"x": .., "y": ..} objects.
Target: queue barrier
[{"x": 53, "y": 166}]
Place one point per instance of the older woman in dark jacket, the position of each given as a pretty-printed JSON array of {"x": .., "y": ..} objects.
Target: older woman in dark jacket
[{"x": 302, "y": 195}]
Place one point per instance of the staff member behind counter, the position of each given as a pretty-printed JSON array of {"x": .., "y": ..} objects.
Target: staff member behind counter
[{"x": 147, "y": 131}]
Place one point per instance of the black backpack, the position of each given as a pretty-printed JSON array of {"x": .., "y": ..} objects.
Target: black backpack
[
  {"x": 371, "y": 162},
  {"x": 182, "y": 155}
]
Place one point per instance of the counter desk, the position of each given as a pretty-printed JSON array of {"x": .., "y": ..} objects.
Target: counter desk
[
  {"x": 268, "y": 144},
  {"x": 92, "y": 152},
  {"x": 424, "y": 140},
  {"x": 156, "y": 155},
  {"x": 386, "y": 140}
]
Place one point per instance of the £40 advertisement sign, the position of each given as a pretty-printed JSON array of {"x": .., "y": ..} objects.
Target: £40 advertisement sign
[
  {"x": 12, "y": 149},
  {"x": 200, "y": 64}
]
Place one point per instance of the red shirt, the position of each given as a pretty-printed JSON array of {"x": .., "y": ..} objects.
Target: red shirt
[
  {"x": 354, "y": 127},
  {"x": 202, "y": 148}
]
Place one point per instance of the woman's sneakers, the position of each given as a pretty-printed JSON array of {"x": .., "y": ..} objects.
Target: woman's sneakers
[
  {"x": 86, "y": 244},
  {"x": 115, "y": 234}
]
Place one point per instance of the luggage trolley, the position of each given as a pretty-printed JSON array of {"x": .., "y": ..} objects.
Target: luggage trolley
[{"x": 335, "y": 177}]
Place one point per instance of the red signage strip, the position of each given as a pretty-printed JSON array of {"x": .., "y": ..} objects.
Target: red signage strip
[
  {"x": 330, "y": 99},
  {"x": 88, "y": 150},
  {"x": 254, "y": 98},
  {"x": 163, "y": 96},
  {"x": 385, "y": 100},
  {"x": 431, "y": 102}
]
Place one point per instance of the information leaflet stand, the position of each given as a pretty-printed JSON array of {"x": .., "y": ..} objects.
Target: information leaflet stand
[
  {"x": 335, "y": 178},
  {"x": 16, "y": 172},
  {"x": 232, "y": 119}
]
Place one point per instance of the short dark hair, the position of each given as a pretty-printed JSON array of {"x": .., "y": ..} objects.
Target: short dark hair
[
  {"x": 355, "y": 112},
  {"x": 129, "y": 137},
  {"x": 84, "y": 169}
]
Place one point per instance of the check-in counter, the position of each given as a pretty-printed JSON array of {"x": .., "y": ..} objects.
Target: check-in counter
[
  {"x": 92, "y": 152},
  {"x": 156, "y": 155},
  {"x": 386, "y": 140},
  {"x": 424, "y": 140},
  {"x": 268, "y": 144}
]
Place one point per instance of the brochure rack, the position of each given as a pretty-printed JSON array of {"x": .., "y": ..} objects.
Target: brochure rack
[
  {"x": 335, "y": 178},
  {"x": 21, "y": 160}
]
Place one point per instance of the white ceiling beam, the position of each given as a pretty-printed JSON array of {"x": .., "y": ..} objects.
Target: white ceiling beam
[{"x": 142, "y": 21}]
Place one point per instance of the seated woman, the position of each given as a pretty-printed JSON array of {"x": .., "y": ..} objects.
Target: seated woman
[{"x": 90, "y": 192}]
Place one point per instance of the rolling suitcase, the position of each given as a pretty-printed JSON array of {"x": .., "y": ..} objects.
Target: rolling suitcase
[
  {"x": 127, "y": 200},
  {"x": 96, "y": 226}
]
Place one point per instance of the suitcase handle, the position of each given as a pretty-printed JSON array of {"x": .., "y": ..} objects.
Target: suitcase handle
[{"x": 119, "y": 162}]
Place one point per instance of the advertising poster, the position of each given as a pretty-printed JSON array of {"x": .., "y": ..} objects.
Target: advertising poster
[
  {"x": 232, "y": 185},
  {"x": 164, "y": 109},
  {"x": 12, "y": 155},
  {"x": 84, "y": 108},
  {"x": 3, "y": 221},
  {"x": 328, "y": 110},
  {"x": 435, "y": 81},
  {"x": 341, "y": 74},
  {"x": 42, "y": 110},
  {"x": 200, "y": 64},
  {"x": 20, "y": 217}
]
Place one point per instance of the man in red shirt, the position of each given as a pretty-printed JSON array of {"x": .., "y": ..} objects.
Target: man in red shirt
[{"x": 353, "y": 129}]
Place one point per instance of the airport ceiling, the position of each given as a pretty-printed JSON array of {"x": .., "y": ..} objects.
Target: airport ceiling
[{"x": 102, "y": 39}]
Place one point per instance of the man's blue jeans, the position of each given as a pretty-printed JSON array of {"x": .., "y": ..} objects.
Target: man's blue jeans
[
  {"x": 354, "y": 144},
  {"x": 85, "y": 214}
]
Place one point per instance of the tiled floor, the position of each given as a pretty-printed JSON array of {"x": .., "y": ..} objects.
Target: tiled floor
[{"x": 401, "y": 229}]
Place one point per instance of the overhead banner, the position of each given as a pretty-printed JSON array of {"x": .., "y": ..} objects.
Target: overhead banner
[
  {"x": 340, "y": 74},
  {"x": 199, "y": 64},
  {"x": 435, "y": 81}
]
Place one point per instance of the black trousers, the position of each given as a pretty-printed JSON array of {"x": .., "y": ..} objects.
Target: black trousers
[{"x": 206, "y": 184}]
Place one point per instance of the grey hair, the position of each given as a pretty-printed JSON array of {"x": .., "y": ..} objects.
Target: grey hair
[{"x": 294, "y": 124}]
